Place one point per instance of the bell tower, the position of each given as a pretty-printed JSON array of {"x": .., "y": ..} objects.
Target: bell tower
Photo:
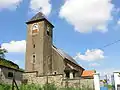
[{"x": 39, "y": 45}]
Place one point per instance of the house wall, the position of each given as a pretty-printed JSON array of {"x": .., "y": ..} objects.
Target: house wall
[
  {"x": 116, "y": 79},
  {"x": 58, "y": 64},
  {"x": 8, "y": 80}
]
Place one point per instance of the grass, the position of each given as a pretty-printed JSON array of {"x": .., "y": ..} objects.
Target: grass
[{"x": 39, "y": 87}]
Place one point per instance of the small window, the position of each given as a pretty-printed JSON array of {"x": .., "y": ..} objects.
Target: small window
[
  {"x": 34, "y": 46},
  {"x": 48, "y": 33},
  {"x": 34, "y": 57},
  {"x": 10, "y": 74},
  {"x": 55, "y": 73},
  {"x": 48, "y": 30}
]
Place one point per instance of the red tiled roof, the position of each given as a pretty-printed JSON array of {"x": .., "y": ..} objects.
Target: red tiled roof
[{"x": 88, "y": 73}]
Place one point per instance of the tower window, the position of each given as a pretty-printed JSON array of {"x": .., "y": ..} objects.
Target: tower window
[
  {"x": 33, "y": 58},
  {"x": 33, "y": 45},
  {"x": 48, "y": 33},
  {"x": 48, "y": 30}
]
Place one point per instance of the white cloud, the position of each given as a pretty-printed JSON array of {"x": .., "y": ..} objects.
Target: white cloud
[
  {"x": 91, "y": 55},
  {"x": 9, "y": 4},
  {"x": 41, "y": 5},
  {"x": 15, "y": 46},
  {"x": 94, "y": 64},
  {"x": 87, "y": 15},
  {"x": 118, "y": 22}
]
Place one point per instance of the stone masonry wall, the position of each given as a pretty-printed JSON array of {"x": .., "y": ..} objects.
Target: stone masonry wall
[
  {"x": 78, "y": 83},
  {"x": 58, "y": 80},
  {"x": 32, "y": 78}
]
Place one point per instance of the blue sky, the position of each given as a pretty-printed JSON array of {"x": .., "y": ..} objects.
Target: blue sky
[{"x": 78, "y": 29}]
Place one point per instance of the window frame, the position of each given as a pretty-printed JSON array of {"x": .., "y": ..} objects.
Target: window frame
[{"x": 10, "y": 75}]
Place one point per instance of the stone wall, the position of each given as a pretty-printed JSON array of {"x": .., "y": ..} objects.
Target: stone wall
[
  {"x": 58, "y": 80},
  {"x": 33, "y": 78},
  {"x": 78, "y": 83}
]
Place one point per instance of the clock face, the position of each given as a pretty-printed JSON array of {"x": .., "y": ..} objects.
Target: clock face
[{"x": 35, "y": 29}]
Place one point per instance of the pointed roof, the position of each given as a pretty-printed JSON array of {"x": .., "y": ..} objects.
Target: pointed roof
[
  {"x": 65, "y": 55},
  {"x": 38, "y": 17}
]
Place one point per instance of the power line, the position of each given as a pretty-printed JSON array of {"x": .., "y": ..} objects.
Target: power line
[{"x": 110, "y": 44}]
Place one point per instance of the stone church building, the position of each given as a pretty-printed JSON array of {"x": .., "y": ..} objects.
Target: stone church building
[{"x": 42, "y": 56}]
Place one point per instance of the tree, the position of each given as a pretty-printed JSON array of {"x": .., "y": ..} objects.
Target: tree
[{"x": 2, "y": 53}]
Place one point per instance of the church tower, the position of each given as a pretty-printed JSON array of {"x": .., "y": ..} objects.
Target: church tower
[{"x": 39, "y": 45}]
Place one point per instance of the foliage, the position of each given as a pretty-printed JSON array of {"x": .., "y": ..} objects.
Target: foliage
[
  {"x": 2, "y": 53},
  {"x": 39, "y": 87},
  {"x": 109, "y": 86},
  {"x": 6, "y": 63}
]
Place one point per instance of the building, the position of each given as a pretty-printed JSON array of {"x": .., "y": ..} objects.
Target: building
[
  {"x": 8, "y": 71},
  {"x": 42, "y": 56},
  {"x": 88, "y": 74}
]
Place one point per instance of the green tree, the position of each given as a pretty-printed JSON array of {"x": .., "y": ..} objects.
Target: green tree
[{"x": 2, "y": 53}]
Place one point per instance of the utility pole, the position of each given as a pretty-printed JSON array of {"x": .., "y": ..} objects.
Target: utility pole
[{"x": 14, "y": 83}]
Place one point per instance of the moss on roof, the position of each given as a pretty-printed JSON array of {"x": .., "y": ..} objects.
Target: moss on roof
[{"x": 9, "y": 64}]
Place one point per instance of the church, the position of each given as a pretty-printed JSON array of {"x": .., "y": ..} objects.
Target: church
[{"x": 42, "y": 56}]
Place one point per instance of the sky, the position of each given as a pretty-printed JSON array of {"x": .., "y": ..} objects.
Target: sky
[{"x": 82, "y": 29}]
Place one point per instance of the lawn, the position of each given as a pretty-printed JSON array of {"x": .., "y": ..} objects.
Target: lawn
[{"x": 39, "y": 87}]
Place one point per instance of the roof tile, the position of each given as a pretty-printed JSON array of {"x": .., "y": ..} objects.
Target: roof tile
[{"x": 88, "y": 73}]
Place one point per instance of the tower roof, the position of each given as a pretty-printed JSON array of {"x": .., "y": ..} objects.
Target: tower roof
[{"x": 38, "y": 17}]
